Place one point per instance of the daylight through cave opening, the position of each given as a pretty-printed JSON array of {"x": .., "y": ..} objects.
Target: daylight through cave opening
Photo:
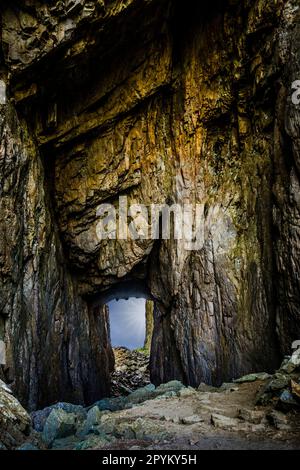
[
  {"x": 129, "y": 311},
  {"x": 127, "y": 318}
]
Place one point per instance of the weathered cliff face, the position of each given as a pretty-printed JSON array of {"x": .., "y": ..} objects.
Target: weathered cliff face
[
  {"x": 56, "y": 345},
  {"x": 164, "y": 102}
]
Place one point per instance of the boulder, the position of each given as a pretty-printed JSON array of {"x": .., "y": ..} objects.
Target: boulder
[
  {"x": 165, "y": 396},
  {"x": 287, "y": 367},
  {"x": 252, "y": 378},
  {"x": 111, "y": 404},
  {"x": 272, "y": 390},
  {"x": 278, "y": 382},
  {"x": 59, "y": 424},
  {"x": 295, "y": 359},
  {"x": 39, "y": 417},
  {"x": 291, "y": 363},
  {"x": 229, "y": 387},
  {"x": 15, "y": 422},
  {"x": 128, "y": 427},
  {"x": 193, "y": 419},
  {"x": 223, "y": 422},
  {"x": 251, "y": 416},
  {"x": 142, "y": 394},
  {"x": 203, "y": 387},
  {"x": 141, "y": 429},
  {"x": 148, "y": 392},
  {"x": 278, "y": 420},
  {"x": 173, "y": 386},
  {"x": 93, "y": 442},
  {"x": 93, "y": 419},
  {"x": 287, "y": 401},
  {"x": 187, "y": 392}
]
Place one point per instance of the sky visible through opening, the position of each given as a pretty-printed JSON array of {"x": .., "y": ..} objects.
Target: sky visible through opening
[{"x": 127, "y": 322}]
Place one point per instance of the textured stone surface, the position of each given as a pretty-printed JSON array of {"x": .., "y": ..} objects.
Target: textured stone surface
[
  {"x": 15, "y": 422},
  {"x": 164, "y": 102},
  {"x": 223, "y": 422},
  {"x": 56, "y": 346},
  {"x": 131, "y": 371},
  {"x": 163, "y": 416},
  {"x": 59, "y": 424},
  {"x": 40, "y": 417},
  {"x": 253, "y": 378}
]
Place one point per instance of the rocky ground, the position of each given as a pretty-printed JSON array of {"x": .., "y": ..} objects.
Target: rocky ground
[
  {"x": 258, "y": 411},
  {"x": 131, "y": 371}
]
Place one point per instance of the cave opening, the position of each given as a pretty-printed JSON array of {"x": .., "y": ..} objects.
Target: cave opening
[
  {"x": 127, "y": 323},
  {"x": 131, "y": 328},
  {"x": 130, "y": 315}
]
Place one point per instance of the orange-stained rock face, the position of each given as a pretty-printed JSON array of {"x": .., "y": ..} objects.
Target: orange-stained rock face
[{"x": 165, "y": 104}]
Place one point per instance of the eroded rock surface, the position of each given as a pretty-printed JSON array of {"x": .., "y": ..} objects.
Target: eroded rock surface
[
  {"x": 15, "y": 422},
  {"x": 56, "y": 346},
  {"x": 166, "y": 102}
]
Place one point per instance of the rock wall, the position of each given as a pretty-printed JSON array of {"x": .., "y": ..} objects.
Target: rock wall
[
  {"x": 56, "y": 346},
  {"x": 163, "y": 102}
]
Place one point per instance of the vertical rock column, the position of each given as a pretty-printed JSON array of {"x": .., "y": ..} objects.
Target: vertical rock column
[
  {"x": 217, "y": 314},
  {"x": 149, "y": 324},
  {"x": 57, "y": 347},
  {"x": 286, "y": 189}
]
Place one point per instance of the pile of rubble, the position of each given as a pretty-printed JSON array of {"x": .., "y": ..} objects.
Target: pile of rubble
[
  {"x": 153, "y": 417},
  {"x": 283, "y": 388},
  {"x": 131, "y": 371},
  {"x": 257, "y": 411}
]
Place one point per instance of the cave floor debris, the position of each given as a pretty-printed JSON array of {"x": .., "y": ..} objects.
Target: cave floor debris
[
  {"x": 175, "y": 417},
  {"x": 257, "y": 411},
  {"x": 240, "y": 424},
  {"x": 131, "y": 371}
]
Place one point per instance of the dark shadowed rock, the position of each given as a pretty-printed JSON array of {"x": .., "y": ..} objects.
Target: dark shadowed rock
[
  {"x": 39, "y": 417},
  {"x": 59, "y": 424},
  {"x": 279, "y": 420},
  {"x": 287, "y": 402},
  {"x": 28, "y": 446},
  {"x": 165, "y": 102}
]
